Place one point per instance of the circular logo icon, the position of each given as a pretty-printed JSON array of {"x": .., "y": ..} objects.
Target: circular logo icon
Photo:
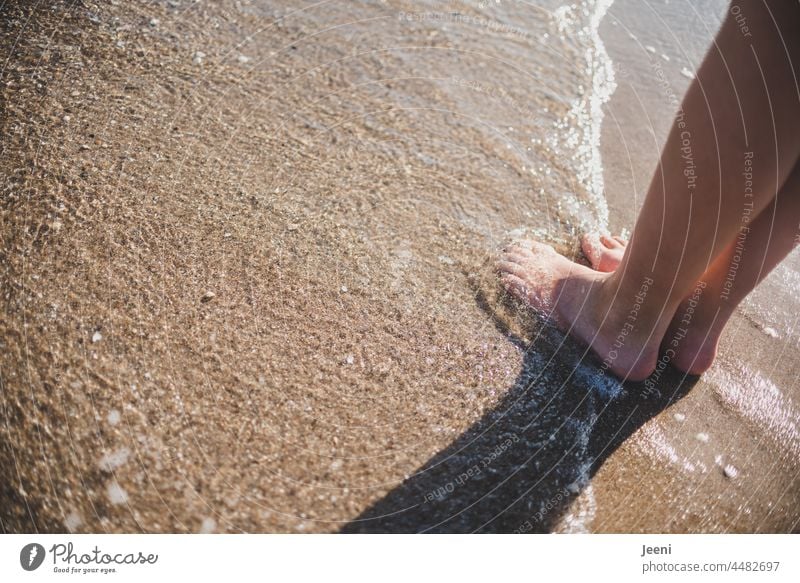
[{"x": 31, "y": 556}]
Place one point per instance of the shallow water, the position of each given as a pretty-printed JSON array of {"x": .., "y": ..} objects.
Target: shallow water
[
  {"x": 751, "y": 393},
  {"x": 338, "y": 176}
]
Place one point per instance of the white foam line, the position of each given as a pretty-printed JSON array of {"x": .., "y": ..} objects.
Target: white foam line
[
  {"x": 580, "y": 131},
  {"x": 584, "y": 122},
  {"x": 581, "y": 514}
]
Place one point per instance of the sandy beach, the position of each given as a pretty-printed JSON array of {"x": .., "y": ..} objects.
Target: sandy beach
[{"x": 247, "y": 287}]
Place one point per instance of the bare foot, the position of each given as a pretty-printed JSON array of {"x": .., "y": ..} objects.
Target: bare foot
[
  {"x": 693, "y": 336},
  {"x": 572, "y": 297},
  {"x": 603, "y": 252}
]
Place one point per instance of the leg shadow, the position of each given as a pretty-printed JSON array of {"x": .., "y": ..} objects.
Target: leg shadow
[{"x": 521, "y": 465}]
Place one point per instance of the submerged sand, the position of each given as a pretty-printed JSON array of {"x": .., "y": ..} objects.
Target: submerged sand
[{"x": 245, "y": 283}]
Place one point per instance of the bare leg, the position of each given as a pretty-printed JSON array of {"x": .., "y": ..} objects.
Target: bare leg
[
  {"x": 743, "y": 103},
  {"x": 759, "y": 247}
]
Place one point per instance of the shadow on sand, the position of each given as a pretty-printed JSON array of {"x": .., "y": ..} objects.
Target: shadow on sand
[{"x": 521, "y": 465}]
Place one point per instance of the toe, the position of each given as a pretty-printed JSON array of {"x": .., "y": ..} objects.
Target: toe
[
  {"x": 514, "y": 284},
  {"x": 519, "y": 244},
  {"x": 590, "y": 243},
  {"x": 510, "y": 248},
  {"x": 525, "y": 251},
  {"x": 513, "y": 256},
  {"x": 603, "y": 251},
  {"x": 536, "y": 247},
  {"x": 609, "y": 242},
  {"x": 517, "y": 249},
  {"x": 510, "y": 267}
]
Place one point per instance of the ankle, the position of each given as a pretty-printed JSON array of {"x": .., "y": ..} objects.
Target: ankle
[
  {"x": 625, "y": 335},
  {"x": 705, "y": 310},
  {"x": 637, "y": 306}
]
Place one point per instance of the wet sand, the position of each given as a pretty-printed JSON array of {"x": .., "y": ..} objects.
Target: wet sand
[
  {"x": 245, "y": 279},
  {"x": 744, "y": 412}
]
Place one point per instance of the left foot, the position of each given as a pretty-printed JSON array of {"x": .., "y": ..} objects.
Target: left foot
[{"x": 573, "y": 298}]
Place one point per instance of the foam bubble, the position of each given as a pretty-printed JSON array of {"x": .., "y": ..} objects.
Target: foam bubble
[
  {"x": 116, "y": 494},
  {"x": 112, "y": 460},
  {"x": 582, "y": 512},
  {"x": 73, "y": 521}
]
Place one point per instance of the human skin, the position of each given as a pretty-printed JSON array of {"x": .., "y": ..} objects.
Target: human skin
[{"x": 743, "y": 104}]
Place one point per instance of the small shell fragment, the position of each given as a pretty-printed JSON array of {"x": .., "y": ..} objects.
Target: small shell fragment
[{"x": 730, "y": 471}]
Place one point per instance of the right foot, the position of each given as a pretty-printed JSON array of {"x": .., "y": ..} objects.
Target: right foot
[
  {"x": 572, "y": 297},
  {"x": 693, "y": 336},
  {"x": 694, "y": 333},
  {"x": 603, "y": 252}
]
